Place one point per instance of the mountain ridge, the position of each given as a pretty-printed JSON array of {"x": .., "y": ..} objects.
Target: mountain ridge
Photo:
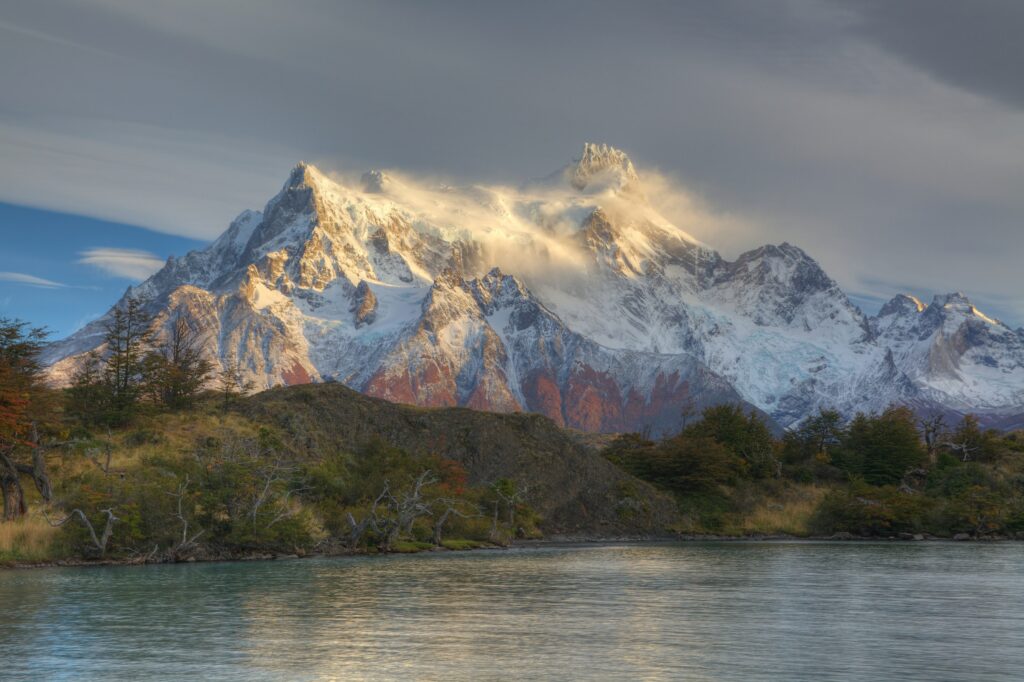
[{"x": 570, "y": 296}]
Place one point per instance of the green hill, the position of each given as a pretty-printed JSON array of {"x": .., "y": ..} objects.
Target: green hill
[{"x": 573, "y": 488}]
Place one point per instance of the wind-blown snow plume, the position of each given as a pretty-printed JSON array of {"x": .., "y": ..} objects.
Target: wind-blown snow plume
[{"x": 572, "y": 295}]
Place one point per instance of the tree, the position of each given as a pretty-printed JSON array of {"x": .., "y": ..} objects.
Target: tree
[
  {"x": 99, "y": 542},
  {"x": 969, "y": 442},
  {"x": 23, "y": 402},
  {"x": 88, "y": 397},
  {"x": 181, "y": 496},
  {"x": 745, "y": 435},
  {"x": 106, "y": 389},
  {"x": 885, "y": 446},
  {"x": 933, "y": 429},
  {"x": 826, "y": 430},
  {"x": 509, "y": 495},
  {"x": 687, "y": 410},
  {"x": 445, "y": 508},
  {"x": 20, "y": 377},
  {"x": 176, "y": 370},
  {"x": 127, "y": 338},
  {"x": 231, "y": 383}
]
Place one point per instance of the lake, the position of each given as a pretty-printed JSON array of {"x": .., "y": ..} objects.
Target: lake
[{"x": 697, "y": 611}]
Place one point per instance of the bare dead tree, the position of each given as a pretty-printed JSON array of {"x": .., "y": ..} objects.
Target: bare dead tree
[
  {"x": 449, "y": 507},
  {"x": 273, "y": 476},
  {"x": 38, "y": 468},
  {"x": 371, "y": 520},
  {"x": 402, "y": 509},
  {"x": 108, "y": 451},
  {"x": 964, "y": 448},
  {"x": 411, "y": 505},
  {"x": 99, "y": 542},
  {"x": 186, "y": 543},
  {"x": 687, "y": 411},
  {"x": 932, "y": 428},
  {"x": 358, "y": 528},
  {"x": 11, "y": 471},
  {"x": 512, "y": 499}
]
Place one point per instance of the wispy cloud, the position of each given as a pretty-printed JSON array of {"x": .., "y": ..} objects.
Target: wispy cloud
[
  {"x": 131, "y": 264},
  {"x": 30, "y": 280}
]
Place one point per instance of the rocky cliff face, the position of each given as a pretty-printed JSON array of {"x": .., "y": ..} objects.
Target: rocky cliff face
[{"x": 570, "y": 296}]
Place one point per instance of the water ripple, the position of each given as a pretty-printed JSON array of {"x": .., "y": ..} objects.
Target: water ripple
[{"x": 696, "y": 611}]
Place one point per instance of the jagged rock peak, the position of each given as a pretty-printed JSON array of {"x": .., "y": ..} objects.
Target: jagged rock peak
[
  {"x": 957, "y": 298},
  {"x": 450, "y": 277},
  {"x": 958, "y": 302},
  {"x": 375, "y": 181},
  {"x": 902, "y": 304},
  {"x": 304, "y": 174},
  {"x": 497, "y": 290},
  {"x": 784, "y": 252},
  {"x": 784, "y": 263},
  {"x": 497, "y": 281},
  {"x": 605, "y": 161}
]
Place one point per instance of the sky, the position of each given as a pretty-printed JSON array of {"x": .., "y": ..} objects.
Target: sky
[{"x": 884, "y": 138}]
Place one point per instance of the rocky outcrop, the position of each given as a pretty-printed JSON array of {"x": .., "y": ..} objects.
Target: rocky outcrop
[{"x": 364, "y": 305}]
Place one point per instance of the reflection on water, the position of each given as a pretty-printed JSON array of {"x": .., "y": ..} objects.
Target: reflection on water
[{"x": 714, "y": 611}]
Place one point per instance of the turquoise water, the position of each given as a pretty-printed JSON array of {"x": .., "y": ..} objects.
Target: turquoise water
[{"x": 696, "y": 611}]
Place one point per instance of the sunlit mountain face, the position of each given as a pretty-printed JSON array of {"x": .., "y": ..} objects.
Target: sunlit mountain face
[{"x": 570, "y": 296}]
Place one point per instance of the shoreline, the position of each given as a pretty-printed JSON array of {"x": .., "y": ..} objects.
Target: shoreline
[{"x": 553, "y": 541}]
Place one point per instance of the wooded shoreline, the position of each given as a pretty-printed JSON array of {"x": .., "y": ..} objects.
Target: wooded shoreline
[
  {"x": 161, "y": 470},
  {"x": 542, "y": 543}
]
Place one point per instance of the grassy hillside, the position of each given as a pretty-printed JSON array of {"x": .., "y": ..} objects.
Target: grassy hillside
[
  {"x": 321, "y": 468},
  {"x": 573, "y": 489}
]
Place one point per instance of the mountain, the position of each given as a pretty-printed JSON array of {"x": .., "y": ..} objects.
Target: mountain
[
  {"x": 570, "y": 296},
  {"x": 955, "y": 355}
]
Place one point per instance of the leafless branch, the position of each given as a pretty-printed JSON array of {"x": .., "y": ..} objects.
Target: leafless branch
[{"x": 99, "y": 542}]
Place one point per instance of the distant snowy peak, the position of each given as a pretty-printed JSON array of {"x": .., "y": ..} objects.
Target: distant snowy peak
[
  {"x": 783, "y": 286},
  {"x": 902, "y": 305},
  {"x": 570, "y": 296},
  {"x": 958, "y": 356},
  {"x": 898, "y": 318},
  {"x": 905, "y": 314},
  {"x": 957, "y": 306}
]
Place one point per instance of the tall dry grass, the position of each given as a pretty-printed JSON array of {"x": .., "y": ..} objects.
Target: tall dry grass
[
  {"x": 29, "y": 538},
  {"x": 789, "y": 515}
]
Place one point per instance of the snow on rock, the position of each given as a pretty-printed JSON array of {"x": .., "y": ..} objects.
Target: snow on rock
[{"x": 571, "y": 297}]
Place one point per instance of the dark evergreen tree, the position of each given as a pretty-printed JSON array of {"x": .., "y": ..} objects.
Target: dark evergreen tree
[{"x": 177, "y": 370}]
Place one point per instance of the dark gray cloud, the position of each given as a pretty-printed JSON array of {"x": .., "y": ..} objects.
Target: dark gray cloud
[
  {"x": 882, "y": 137},
  {"x": 973, "y": 45}
]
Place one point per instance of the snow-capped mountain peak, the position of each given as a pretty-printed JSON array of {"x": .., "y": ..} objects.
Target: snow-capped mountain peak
[
  {"x": 902, "y": 305},
  {"x": 572, "y": 297},
  {"x": 601, "y": 167}
]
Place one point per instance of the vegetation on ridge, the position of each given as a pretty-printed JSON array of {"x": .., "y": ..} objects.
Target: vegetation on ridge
[
  {"x": 879, "y": 475},
  {"x": 136, "y": 462}
]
